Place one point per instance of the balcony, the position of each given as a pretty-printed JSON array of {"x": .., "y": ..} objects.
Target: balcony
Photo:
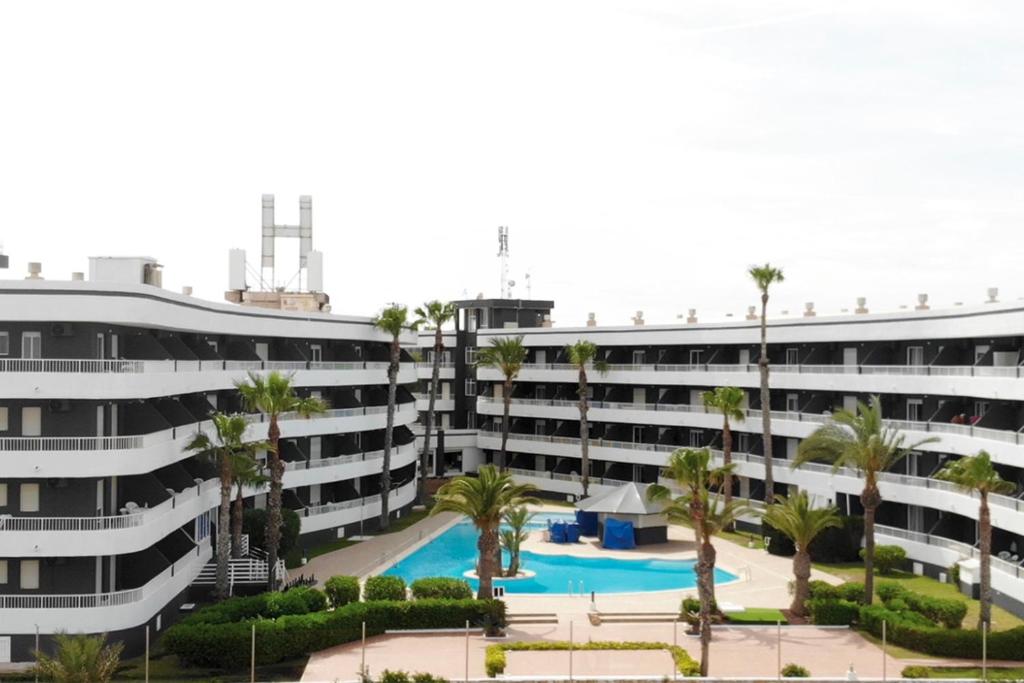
[
  {"x": 330, "y": 515},
  {"x": 426, "y": 370},
  {"x": 101, "y": 612},
  {"x": 50, "y": 378},
  {"x": 442, "y": 404},
  {"x": 75, "y": 456}
]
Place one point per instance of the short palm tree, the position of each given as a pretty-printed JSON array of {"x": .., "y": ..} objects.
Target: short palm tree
[
  {"x": 393, "y": 320},
  {"x": 794, "y": 517},
  {"x": 228, "y": 450},
  {"x": 247, "y": 473},
  {"x": 512, "y": 538},
  {"x": 80, "y": 659},
  {"x": 728, "y": 401},
  {"x": 977, "y": 475},
  {"x": 505, "y": 354},
  {"x": 691, "y": 470},
  {"x": 273, "y": 395},
  {"x": 864, "y": 443},
  {"x": 484, "y": 499},
  {"x": 436, "y": 314},
  {"x": 582, "y": 354},
  {"x": 764, "y": 277}
]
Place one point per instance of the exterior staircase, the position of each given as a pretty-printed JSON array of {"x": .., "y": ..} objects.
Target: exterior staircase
[{"x": 248, "y": 570}]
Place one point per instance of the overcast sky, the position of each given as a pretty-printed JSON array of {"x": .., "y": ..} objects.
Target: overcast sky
[{"x": 643, "y": 154}]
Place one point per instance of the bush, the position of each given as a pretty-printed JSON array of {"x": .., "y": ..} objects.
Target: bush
[
  {"x": 888, "y": 558},
  {"x": 852, "y": 591},
  {"x": 897, "y": 605},
  {"x": 495, "y": 658},
  {"x": 912, "y": 633},
  {"x": 915, "y": 671},
  {"x": 384, "y": 588},
  {"x": 692, "y": 606},
  {"x": 833, "y": 612},
  {"x": 206, "y": 638},
  {"x": 280, "y": 604},
  {"x": 441, "y": 587},
  {"x": 341, "y": 590},
  {"x": 428, "y": 678},
  {"x": 387, "y": 676},
  {"x": 822, "y": 590},
  {"x": 778, "y": 543},
  {"x": 795, "y": 671},
  {"x": 949, "y": 612},
  {"x": 254, "y": 523},
  {"x": 890, "y": 590},
  {"x": 839, "y": 544},
  {"x": 315, "y": 599},
  {"x": 954, "y": 574}
]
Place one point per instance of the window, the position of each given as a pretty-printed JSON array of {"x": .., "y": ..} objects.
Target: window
[
  {"x": 793, "y": 403},
  {"x": 696, "y": 438},
  {"x": 3, "y": 495},
  {"x": 638, "y": 358},
  {"x": 213, "y": 344},
  {"x": 5, "y": 343},
  {"x": 470, "y": 419},
  {"x": 316, "y": 353},
  {"x": 914, "y": 407},
  {"x": 980, "y": 351},
  {"x": 3, "y": 572},
  {"x": 695, "y": 356},
  {"x": 3, "y": 419},
  {"x": 638, "y": 434},
  {"x": 470, "y": 355},
  {"x": 744, "y": 357},
  {"x": 101, "y": 346},
  {"x": 915, "y": 355},
  {"x": 539, "y": 427},
  {"x": 793, "y": 356},
  {"x": 31, "y": 421},
  {"x": 31, "y": 345},
  {"x": 539, "y": 391},
  {"x": 471, "y": 321},
  {"x": 30, "y": 574},
  {"x": 29, "y": 498},
  {"x": 743, "y": 442},
  {"x": 470, "y": 387}
]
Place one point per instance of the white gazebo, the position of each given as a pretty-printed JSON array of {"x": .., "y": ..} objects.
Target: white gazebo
[{"x": 628, "y": 503}]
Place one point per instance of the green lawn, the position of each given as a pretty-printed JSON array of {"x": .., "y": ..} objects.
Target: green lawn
[
  {"x": 757, "y": 615},
  {"x": 993, "y": 674},
  {"x": 1001, "y": 619}
]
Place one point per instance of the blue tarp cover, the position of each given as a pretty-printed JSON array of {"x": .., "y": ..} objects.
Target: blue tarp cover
[
  {"x": 587, "y": 522},
  {"x": 558, "y": 532},
  {"x": 572, "y": 534},
  {"x": 618, "y": 535}
]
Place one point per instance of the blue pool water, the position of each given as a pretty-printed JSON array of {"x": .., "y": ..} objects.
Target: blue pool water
[{"x": 454, "y": 552}]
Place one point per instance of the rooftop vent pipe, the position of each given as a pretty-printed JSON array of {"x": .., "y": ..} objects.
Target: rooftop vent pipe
[
  {"x": 35, "y": 271},
  {"x": 861, "y": 306},
  {"x": 922, "y": 302}
]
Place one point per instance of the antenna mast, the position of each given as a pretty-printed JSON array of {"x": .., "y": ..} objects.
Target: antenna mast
[{"x": 503, "y": 255}]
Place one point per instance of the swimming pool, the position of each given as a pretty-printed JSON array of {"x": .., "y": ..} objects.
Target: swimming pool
[{"x": 454, "y": 552}]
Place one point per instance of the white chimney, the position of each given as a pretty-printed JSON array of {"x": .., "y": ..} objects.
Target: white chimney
[
  {"x": 186, "y": 290},
  {"x": 35, "y": 271},
  {"x": 691, "y": 315},
  {"x": 922, "y": 302},
  {"x": 77, "y": 276},
  {"x": 993, "y": 292},
  {"x": 861, "y": 309},
  {"x": 752, "y": 313},
  {"x": 547, "y": 322},
  {"x": 809, "y": 310},
  {"x": 591, "y": 320},
  {"x": 638, "y": 319}
]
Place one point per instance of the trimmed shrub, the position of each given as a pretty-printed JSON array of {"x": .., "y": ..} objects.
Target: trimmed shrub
[
  {"x": 915, "y": 671},
  {"x": 839, "y": 544},
  {"x": 254, "y": 523},
  {"x": 280, "y": 604},
  {"x": 428, "y": 678},
  {"x": 387, "y": 676},
  {"x": 852, "y": 591},
  {"x": 888, "y": 558},
  {"x": 897, "y": 605},
  {"x": 949, "y": 612},
  {"x": 384, "y": 588},
  {"x": 341, "y": 590},
  {"x": 315, "y": 599},
  {"x": 692, "y": 605},
  {"x": 833, "y": 612},
  {"x": 441, "y": 587},
  {"x": 911, "y": 633},
  {"x": 890, "y": 590},
  {"x": 822, "y": 590},
  {"x": 495, "y": 658},
  {"x": 795, "y": 671},
  {"x": 199, "y": 641}
]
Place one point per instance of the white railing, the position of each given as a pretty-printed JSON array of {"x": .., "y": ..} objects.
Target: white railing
[
  {"x": 966, "y": 550},
  {"x": 346, "y": 459},
  {"x": 1011, "y": 371},
  {"x": 429, "y": 365},
  {"x": 117, "y": 366}
]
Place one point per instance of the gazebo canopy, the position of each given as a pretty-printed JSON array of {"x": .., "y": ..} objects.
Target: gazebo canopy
[{"x": 628, "y": 499}]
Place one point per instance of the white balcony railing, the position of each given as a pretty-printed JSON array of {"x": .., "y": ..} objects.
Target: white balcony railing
[
  {"x": 117, "y": 366},
  {"x": 1011, "y": 371}
]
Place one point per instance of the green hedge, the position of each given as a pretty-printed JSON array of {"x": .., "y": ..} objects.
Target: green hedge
[
  {"x": 341, "y": 590},
  {"x": 795, "y": 671},
  {"x": 495, "y": 658},
  {"x": 207, "y": 638},
  {"x": 833, "y": 612},
  {"x": 888, "y": 558},
  {"x": 384, "y": 588},
  {"x": 441, "y": 587},
  {"x": 938, "y": 641},
  {"x": 949, "y": 612}
]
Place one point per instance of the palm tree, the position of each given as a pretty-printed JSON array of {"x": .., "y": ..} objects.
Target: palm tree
[
  {"x": 484, "y": 499},
  {"x": 274, "y": 394},
  {"x": 976, "y": 474},
  {"x": 581, "y": 354},
  {"x": 802, "y": 523},
  {"x": 505, "y": 354},
  {"x": 80, "y": 658},
  {"x": 247, "y": 472},
  {"x": 228, "y": 451},
  {"x": 863, "y": 442},
  {"x": 437, "y": 314},
  {"x": 728, "y": 400},
  {"x": 691, "y": 471},
  {"x": 394, "y": 320},
  {"x": 512, "y": 538},
  {"x": 764, "y": 276}
]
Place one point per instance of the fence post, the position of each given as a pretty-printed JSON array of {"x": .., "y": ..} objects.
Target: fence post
[
  {"x": 883, "y": 648},
  {"x": 147, "y": 653},
  {"x": 570, "y": 650},
  {"x": 252, "y": 656},
  {"x": 467, "y": 650},
  {"x": 675, "y": 644},
  {"x": 778, "y": 649},
  {"x": 984, "y": 652},
  {"x": 362, "y": 659}
]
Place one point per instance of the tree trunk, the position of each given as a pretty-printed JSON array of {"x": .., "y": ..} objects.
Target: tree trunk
[
  {"x": 766, "y": 406},
  {"x": 273, "y": 531},
  {"x": 223, "y": 529},
  {"x": 513, "y": 562},
  {"x": 870, "y": 498},
  {"x": 389, "y": 433},
  {"x": 584, "y": 433},
  {"x": 985, "y": 530},
  {"x": 435, "y": 375},
  {"x": 486, "y": 544},
  {"x": 706, "y": 592},
  {"x": 727, "y": 460},
  {"x": 236, "y": 524},
  {"x": 802, "y": 587},
  {"x": 507, "y": 399}
]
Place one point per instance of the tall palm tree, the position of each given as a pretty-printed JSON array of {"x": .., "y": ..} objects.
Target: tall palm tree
[
  {"x": 512, "y": 538},
  {"x": 227, "y": 450},
  {"x": 393, "y": 320},
  {"x": 863, "y": 442},
  {"x": 581, "y": 354},
  {"x": 691, "y": 470},
  {"x": 433, "y": 313},
  {"x": 976, "y": 474},
  {"x": 729, "y": 401},
  {"x": 80, "y": 658},
  {"x": 764, "y": 277},
  {"x": 505, "y": 354},
  {"x": 795, "y": 518},
  {"x": 273, "y": 395},
  {"x": 247, "y": 473},
  {"x": 484, "y": 499}
]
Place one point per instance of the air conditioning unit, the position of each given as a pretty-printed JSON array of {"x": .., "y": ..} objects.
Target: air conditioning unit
[
  {"x": 60, "y": 405},
  {"x": 61, "y": 330}
]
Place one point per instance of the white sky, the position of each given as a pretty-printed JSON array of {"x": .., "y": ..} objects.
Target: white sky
[{"x": 642, "y": 153}]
